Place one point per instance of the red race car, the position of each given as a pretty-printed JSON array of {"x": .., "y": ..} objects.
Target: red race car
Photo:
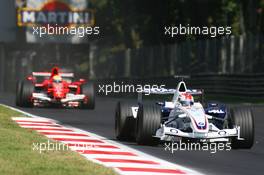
[{"x": 55, "y": 89}]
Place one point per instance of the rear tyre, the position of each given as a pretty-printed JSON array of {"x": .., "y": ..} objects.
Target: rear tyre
[
  {"x": 243, "y": 117},
  {"x": 88, "y": 91},
  {"x": 148, "y": 121},
  {"x": 124, "y": 121},
  {"x": 27, "y": 89},
  {"x": 18, "y": 93}
]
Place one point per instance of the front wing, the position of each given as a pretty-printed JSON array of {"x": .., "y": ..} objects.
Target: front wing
[
  {"x": 41, "y": 97},
  {"x": 169, "y": 134}
]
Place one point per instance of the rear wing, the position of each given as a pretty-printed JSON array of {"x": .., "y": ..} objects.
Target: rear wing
[
  {"x": 171, "y": 91},
  {"x": 48, "y": 74},
  {"x": 163, "y": 91}
]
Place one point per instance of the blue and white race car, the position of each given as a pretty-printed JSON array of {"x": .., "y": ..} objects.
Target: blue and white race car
[{"x": 183, "y": 118}]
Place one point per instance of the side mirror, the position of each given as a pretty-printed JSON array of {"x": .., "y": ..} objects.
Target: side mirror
[
  {"x": 82, "y": 80},
  {"x": 31, "y": 78},
  {"x": 160, "y": 103}
]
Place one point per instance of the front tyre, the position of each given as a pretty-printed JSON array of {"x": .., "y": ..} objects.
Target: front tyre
[
  {"x": 18, "y": 93},
  {"x": 243, "y": 118},
  {"x": 148, "y": 121},
  {"x": 88, "y": 90},
  {"x": 124, "y": 121},
  {"x": 27, "y": 89}
]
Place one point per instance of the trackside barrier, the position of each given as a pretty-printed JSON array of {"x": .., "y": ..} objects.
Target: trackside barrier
[{"x": 242, "y": 85}]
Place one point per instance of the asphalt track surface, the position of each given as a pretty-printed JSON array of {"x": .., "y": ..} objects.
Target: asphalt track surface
[{"x": 101, "y": 122}]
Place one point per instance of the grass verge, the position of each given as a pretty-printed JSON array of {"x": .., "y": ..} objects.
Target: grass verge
[{"x": 18, "y": 157}]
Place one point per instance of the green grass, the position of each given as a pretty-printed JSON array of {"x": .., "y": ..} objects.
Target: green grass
[{"x": 18, "y": 157}]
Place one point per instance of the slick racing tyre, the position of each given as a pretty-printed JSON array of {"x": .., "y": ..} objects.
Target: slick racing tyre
[
  {"x": 124, "y": 121},
  {"x": 148, "y": 121},
  {"x": 27, "y": 88},
  {"x": 88, "y": 90},
  {"x": 18, "y": 93},
  {"x": 243, "y": 118}
]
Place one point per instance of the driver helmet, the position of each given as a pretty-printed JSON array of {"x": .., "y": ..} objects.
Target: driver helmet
[
  {"x": 186, "y": 99},
  {"x": 57, "y": 79}
]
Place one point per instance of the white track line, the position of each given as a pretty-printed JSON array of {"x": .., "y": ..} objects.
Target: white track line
[{"x": 125, "y": 160}]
